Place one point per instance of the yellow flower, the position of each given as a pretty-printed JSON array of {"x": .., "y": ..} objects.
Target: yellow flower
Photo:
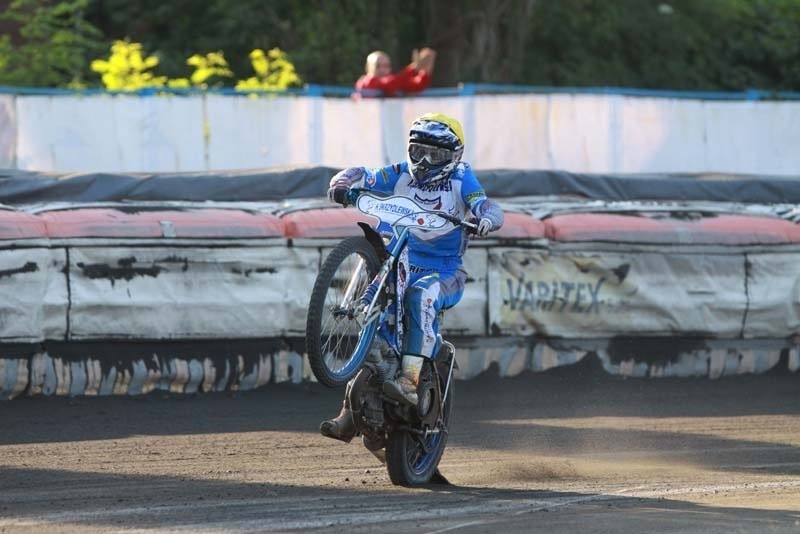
[
  {"x": 127, "y": 68},
  {"x": 273, "y": 72}
]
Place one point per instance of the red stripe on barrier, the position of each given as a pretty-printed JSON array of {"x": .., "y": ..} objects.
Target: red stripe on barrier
[
  {"x": 751, "y": 229},
  {"x": 325, "y": 223},
  {"x": 18, "y": 225},
  {"x": 336, "y": 222},
  {"x": 200, "y": 223},
  {"x": 648, "y": 228},
  {"x": 520, "y": 226}
]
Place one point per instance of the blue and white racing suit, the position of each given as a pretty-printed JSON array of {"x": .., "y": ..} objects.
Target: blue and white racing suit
[{"x": 436, "y": 276}]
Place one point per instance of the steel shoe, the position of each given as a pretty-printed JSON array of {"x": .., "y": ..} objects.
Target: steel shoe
[{"x": 340, "y": 427}]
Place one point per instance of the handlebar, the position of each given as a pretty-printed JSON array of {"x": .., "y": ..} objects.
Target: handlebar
[
  {"x": 350, "y": 197},
  {"x": 353, "y": 194},
  {"x": 471, "y": 228}
]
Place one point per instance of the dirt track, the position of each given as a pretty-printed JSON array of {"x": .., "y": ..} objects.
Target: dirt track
[{"x": 565, "y": 451}]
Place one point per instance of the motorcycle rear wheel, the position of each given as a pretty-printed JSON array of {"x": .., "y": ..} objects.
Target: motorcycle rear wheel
[
  {"x": 335, "y": 342},
  {"x": 406, "y": 460}
]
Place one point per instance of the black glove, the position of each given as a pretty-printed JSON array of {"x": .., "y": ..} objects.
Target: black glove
[{"x": 338, "y": 194}]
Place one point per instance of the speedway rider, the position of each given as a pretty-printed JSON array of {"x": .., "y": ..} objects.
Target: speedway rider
[{"x": 435, "y": 177}]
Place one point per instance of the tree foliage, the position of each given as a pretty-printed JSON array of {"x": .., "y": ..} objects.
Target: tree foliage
[
  {"x": 681, "y": 44},
  {"x": 128, "y": 69},
  {"x": 56, "y": 44},
  {"x": 664, "y": 44},
  {"x": 209, "y": 69},
  {"x": 272, "y": 71}
]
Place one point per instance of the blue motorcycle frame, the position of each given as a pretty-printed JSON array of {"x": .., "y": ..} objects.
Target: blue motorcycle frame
[{"x": 396, "y": 216}]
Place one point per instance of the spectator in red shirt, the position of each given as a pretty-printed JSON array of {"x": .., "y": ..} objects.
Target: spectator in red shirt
[{"x": 415, "y": 77}]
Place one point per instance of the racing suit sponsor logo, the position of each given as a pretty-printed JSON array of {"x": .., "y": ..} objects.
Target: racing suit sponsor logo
[
  {"x": 474, "y": 197},
  {"x": 434, "y": 187},
  {"x": 354, "y": 173},
  {"x": 437, "y": 202},
  {"x": 428, "y": 317},
  {"x": 402, "y": 284},
  {"x": 388, "y": 207}
]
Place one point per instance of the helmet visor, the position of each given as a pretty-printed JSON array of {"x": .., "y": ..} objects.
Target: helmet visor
[{"x": 434, "y": 155}]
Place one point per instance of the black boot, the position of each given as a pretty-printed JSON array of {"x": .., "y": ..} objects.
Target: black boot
[{"x": 340, "y": 427}]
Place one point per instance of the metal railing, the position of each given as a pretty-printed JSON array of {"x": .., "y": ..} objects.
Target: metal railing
[{"x": 465, "y": 89}]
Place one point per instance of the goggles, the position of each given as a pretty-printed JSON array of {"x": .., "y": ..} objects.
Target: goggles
[{"x": 434, "y": 155}]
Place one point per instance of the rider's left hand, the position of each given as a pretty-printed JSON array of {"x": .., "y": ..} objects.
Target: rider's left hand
[{"x": 484, "y": 226}]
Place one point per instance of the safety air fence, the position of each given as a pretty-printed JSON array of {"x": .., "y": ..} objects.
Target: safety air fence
[{"x": 196, "y": 282}]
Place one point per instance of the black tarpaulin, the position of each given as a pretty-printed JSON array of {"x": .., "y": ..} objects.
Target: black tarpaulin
[{"x": 274, "y": 184}]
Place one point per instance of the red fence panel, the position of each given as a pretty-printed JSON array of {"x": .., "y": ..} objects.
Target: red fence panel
[
  {"x": 521, "y": 226},
  {"x": 194, "y": 223},
  {"x": 655, "y": 228},
  {"x": 325, "y": 223},
  {"x": 18, "y": 225}
]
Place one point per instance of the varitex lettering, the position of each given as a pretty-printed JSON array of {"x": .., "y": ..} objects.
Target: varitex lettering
[{"x": 553, "y": 295}]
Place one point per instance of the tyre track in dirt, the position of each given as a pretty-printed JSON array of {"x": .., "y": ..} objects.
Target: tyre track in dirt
[{"x": 561, "y": 451}]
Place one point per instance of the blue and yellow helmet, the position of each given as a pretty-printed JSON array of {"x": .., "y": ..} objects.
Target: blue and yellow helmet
[{"x": 435, "y": 147}]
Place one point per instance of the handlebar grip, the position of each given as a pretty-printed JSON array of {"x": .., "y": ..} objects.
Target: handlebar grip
[
  {"x": 472, "y": 228},
  {"x": 340, "y": 195}
]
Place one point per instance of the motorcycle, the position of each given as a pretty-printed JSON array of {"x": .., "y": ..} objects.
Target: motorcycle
[{"x": 354, "y": 328}]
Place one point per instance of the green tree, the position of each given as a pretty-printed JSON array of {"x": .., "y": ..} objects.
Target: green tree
[
  {"x": 675, "y": 44},
  {"x": 330, "y": 40},
  {"x": 762, "y": 47},
  {"x": 176, "y": 30},
  {"x": 663, "y": 44},
  {"x": 634, "y": 43},
  {"x": 326, "y": 41},
  {"x": 56, "y": 44}
]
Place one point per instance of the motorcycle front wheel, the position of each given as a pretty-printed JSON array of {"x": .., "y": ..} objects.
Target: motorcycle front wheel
[
  {"x": 412, "y": 460},
  {"x": 336, "y": 343}
]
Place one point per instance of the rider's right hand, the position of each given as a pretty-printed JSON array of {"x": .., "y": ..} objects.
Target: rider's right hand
[{"x": 338, "y": 194}]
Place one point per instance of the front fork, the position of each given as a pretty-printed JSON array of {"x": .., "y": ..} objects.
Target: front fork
[
  {"x": 351, "y": 285},
  {"x": 370, "y": 313}
]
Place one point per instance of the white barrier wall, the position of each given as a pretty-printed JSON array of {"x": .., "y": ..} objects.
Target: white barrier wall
[
  {"x": 34, "y": 292},
  {"x": 127, "y": 298},
  {"x": 109, "y": 133},
  {"x": 8, "y": 132},
  {"x": 579, "y": 133},
  {"x": 125, "y": 292}
]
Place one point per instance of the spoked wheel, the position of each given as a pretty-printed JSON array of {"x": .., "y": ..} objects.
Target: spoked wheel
[
  {"x": 411, "y": 459},
  {"x": 336, "y": 341}
]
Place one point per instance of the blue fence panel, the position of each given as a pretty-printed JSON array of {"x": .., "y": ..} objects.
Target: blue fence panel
[{"x": 466, "y": 89}]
